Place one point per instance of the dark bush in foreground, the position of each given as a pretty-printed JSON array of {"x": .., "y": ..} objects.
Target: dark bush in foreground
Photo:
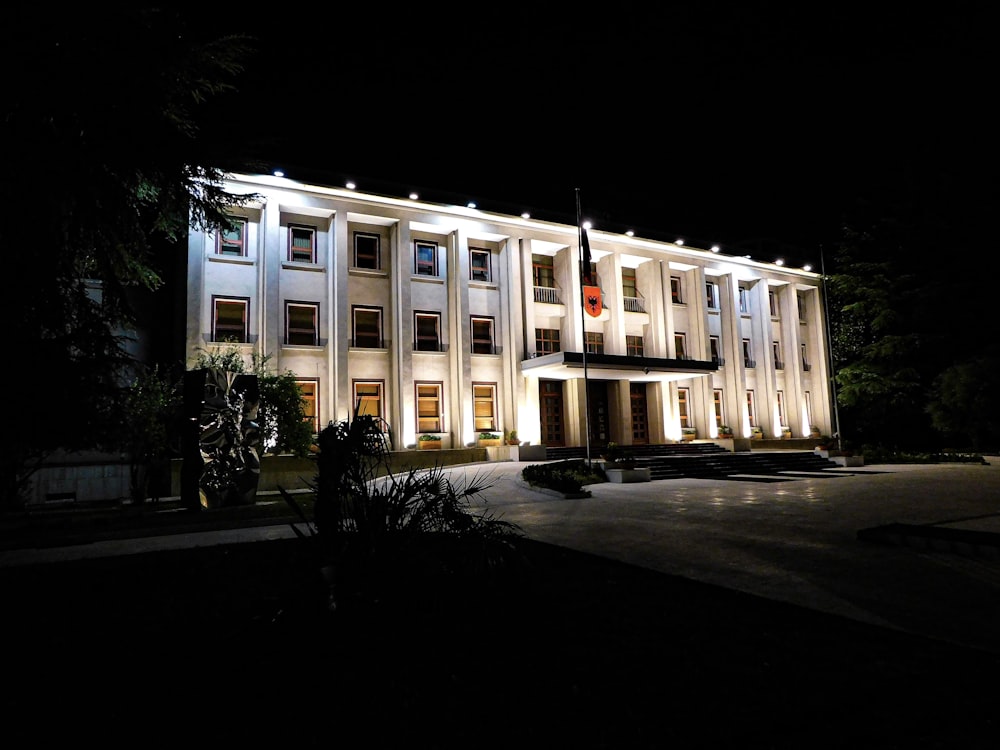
[{"x": 562, "y": 476}]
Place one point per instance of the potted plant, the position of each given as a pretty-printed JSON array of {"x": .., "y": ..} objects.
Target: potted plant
[
  {"x": 725, "y": 431},
  {"x": 428, "y": 442},
  {"x": 814, "y": 431},
  {"x": 786, "y": 433},
  {"x": 488, "y": 439},
  {"x": 512, "y": 438},
  {"x": 688, "y": 433},
  {"x": 756, "y": 433}
]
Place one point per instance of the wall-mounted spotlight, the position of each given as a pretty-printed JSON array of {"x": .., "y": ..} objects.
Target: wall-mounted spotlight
[
  {"x": 414, "y": 196},
  {"x": 525, "y": 215},
  {"x": 350, "y": 185},
  {"x": 630, "y": 233},
  {"x": 715, "y": 248},
  {"x": 278, "y": 173},
  {"x": 470, "y": 204}
]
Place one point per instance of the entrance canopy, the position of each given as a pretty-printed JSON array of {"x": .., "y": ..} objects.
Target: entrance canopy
[{"x": 569, "y": 365}]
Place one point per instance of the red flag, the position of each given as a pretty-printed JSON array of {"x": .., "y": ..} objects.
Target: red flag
[{"x": 591, "y": 292}]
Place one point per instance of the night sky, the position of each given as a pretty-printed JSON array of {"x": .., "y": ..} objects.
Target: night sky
[{"x": 748, "y": 127}]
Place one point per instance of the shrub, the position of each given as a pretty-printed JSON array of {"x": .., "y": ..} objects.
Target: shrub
[{"x": 562, "y": 476}]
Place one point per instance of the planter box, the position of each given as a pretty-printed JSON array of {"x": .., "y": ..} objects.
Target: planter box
[
  {"x": 624, "y": 476},
  {"x": 429, "y": 445},
  {"x": 489, "y": 443}
]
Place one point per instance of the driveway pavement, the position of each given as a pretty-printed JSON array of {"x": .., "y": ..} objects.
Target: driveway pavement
[{"x": 793, "y": 538}]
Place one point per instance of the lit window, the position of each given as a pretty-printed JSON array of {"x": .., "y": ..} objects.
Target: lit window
[
  {"x": 776, "y": 351},
  {"x": 479, "y": 265},
  {"x": 751, "y": 412},
  {"x": 367, "y": 327},
  {"x": 368, "y": 398},
  {"x": 366, "y": 250},
  {"x": 748, "y": 354},
  {"x": 309, "y": 391},
  {"x": 428, "y": 332},
  {"x": 715, "y": 347},
  {"x": 300, "y": 323},
  {"x": 542, "y": 271},
  {"x": 628, "y": 283},
  {"x": 230, "y": 319},
  {"x": 772, "y": 301},
  {"x": 683, "y": 397},
  {"x": 428, "y": 407},
  {"x": 744, "y": 300},
  {"x": 482, "y": 336},
  {"x": 302, "y": 244},
  {"x": 426, "y": 258},
  {"x": 232, "y": 240},
  {"x": 484, "y": 398},
  {"x": 781, "y": 408},
  {"x": 717, "y": 398}
]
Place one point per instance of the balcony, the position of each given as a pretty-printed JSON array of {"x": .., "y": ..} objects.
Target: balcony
[
  {"x": 547, "y": 294},
  {"x": 634, "y": 304}
]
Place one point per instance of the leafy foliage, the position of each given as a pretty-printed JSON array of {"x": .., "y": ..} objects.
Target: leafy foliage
[
  {"x": 147, "y": 431},
  {"x": 378, "y": 534},
  {"x": 104, "y": 136},
  {"x": 562, "y": 476}
]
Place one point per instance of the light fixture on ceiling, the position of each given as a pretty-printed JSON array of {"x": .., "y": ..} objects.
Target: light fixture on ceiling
[
  {"x": 278, "y": 173},
  {"x": 779, "y": 262},
  {"x": 629, "y": 233},
  {"x": 715, "y": 248},
  {"x": 413, "y": 196},
  {"x": 525, "y": 215},
  {"x": 678, "y": 241},
  {"x": 350, "y": 185}
]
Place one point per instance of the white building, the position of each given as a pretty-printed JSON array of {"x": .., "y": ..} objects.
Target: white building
[{"x": 454, "y": 321}]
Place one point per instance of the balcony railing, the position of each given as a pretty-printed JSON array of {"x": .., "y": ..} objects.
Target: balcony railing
[
  {"x": 806, "y": 367},
  {"x": 750, "y": 363},
  {"x": 634, "y": 304},
  {"x": 779, "y": 365},
  {"x": 492, "y": 349},
  {"x": 429, "y": 346},
  {"x": 719, "y": 361},
  {"x": 547, "y": 294}
]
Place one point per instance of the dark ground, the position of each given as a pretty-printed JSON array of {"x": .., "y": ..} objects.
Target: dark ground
[{"x": 232, "y": 644}]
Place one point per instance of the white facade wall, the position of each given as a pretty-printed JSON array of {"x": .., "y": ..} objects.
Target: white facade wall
[{"x": 525, "y": 382}]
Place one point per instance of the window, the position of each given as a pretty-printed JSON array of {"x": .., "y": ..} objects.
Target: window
[
  {"x": 772, "y": 301},
  {"x": 309, "y": 390},
  {"x": 302, "y": 244},
  {"x": 546, "y": 341},
  {"x": 802, "y": 307},
  {"x": 368, "y": 398},
  {"x": 675, "y": 290},
  {"x": 426, "y": 258},
  {"x": 809, "y": 407},
  {"x": 715, "y": 348},
  {"x": 744, "y": 300},
  {"x": 482, "y": 336},
  {"x": 542, "y": 271},
  {"x": 301, "y": 323},
  {"x": 750, "y": 409},
  {"x": 594, "y": 342},
  {"x": 634, "y": 346},
  {"x": 683, "y": 397},
  {"x": 232, "y": 241},
  {"x": 776, "y": 352},
  {"x": 805, "y": 365},
  {"x": 484, "y": 405},
  {"x": 367, "y": 327},
  {"x": 366, "y": 251},
  {"x": 717, "y": 398},
  {"x": 781, "y": 408},
  {"x": 680, "y": 340},
  {"x": 428, "y": 407},
  {"x": 428, "y": 332},
  {"x": 748, "y": 354},
  {"x": 712, "y": 295},
  {"x": 230, "y": 319},
  {"x": 628, "y": 283},
  {"x": 479, "y": 265}
]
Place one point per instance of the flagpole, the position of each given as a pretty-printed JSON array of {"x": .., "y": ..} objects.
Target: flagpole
[
  {"x": 583, "y": 324},
  {"x": 829, "y": 350}
]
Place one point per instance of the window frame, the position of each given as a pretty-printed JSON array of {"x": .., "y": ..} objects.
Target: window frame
[
  {"x": 712, "y": 295},
  {"x": 594, "y": 342},
  {"x": 547, "y": 344},
  {"x": 776, "y": 354},
  {"x": 719, "y": 403},
  {"x": 480, "y": 320},
  {"x": 356, "y": 339},
  {"x": 357, "y": 256},
  {"x": 425, "y": 268},
  {"x": 311, "y": 401},
  {"x": 543, "y": 269},
  {"x": 222, "y": 242},
  {"x": 635, "y": 345},
  {"x": 418, "y": 337},
  {"x": 748, "y": 360},
  {"x": 434, "y": 422},
  {"x": 481, "y": 423},
  {"x": 744, "y": 299},
  {"x": 487, "y": 272},
  {"x": 292, "y": 228},
  {"x": 751, "y": 407},
  {"x": 676, "y": 290},
  {"x": 289, "y": 330},
  {"x": 680, "y": 345},
  {"x": 244, "y": 334},
  {"x": 715, "y": 348},
  {"x": 629, "y": 283},
  {"x": 361, "y": 398},
  {"x": 683, "y": 406},
  {"x": 780, "y": 402},
  {"x": 772, "y": 303}
]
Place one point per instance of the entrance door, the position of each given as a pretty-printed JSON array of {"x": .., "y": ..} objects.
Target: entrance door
[
  {"x": 550, "y": 401},
  {"x": 640, "y": 423},
  {"x": 597, "y": 394}
]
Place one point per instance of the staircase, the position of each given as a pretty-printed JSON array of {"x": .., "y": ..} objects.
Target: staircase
[{"x": 708, "y": 460}]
